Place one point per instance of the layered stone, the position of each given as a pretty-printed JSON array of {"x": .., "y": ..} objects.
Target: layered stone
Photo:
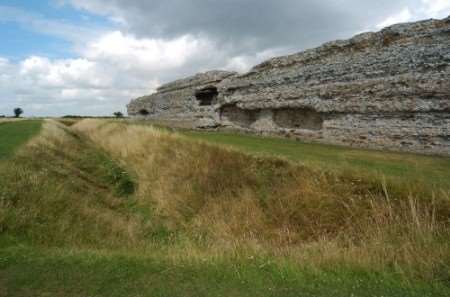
[
  {"x": 389, "y": 89},
  {"x": 188, "y": 102}
]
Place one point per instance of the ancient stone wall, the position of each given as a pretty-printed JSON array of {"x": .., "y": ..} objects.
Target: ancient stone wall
[
  {"x": 384, "y": 90},
  {"x": 186, "y": 102}
]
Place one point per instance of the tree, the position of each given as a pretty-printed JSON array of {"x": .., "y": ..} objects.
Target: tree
[
  {"x": 17, "y": 112},
  {"x": 118, "y": 114}
]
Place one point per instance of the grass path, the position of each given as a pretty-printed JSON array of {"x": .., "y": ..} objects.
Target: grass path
[
  {"x": 15, "y": 133},
  {"x": 433, "y": 170},
  {"x": 31, "y": 272}
]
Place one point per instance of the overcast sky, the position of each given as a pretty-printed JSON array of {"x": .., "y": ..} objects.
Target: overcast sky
[{"x": 90, "y": 57}]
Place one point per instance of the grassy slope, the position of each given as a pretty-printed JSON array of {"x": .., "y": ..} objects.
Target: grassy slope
[
  {"x": 429, "y": 169},
  {"x": 201, "y": 223},
  {"x": 58, "y": 191},
  {"x": 15, "y": 133}
]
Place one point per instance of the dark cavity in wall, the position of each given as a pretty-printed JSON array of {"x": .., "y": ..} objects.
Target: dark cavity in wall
[
  {"x": 298, "y": 118},
  {"x": 238, "y": 116},
  {"x": 288, "y": 118},
  {"x": 143, "y": 112},
  {"x": 207, "y": 96}
]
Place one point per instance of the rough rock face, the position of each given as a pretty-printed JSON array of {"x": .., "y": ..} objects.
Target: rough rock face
[
  {"x": 389, "y": 89},
  {"x": 186, "y": 102}
]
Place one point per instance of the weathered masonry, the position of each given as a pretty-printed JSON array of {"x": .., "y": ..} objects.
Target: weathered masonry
[{"x": 384, "y": 90}]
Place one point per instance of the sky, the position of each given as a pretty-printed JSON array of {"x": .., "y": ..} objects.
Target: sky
[{"x": 91, "y": 57}]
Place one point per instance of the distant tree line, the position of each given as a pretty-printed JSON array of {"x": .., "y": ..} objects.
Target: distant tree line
[
  {"x": 116, "y": 114},
  {"x": 17, "y": 113}
]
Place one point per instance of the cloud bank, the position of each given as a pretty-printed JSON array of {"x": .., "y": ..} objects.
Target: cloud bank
[{"x": 152, "y": 42}]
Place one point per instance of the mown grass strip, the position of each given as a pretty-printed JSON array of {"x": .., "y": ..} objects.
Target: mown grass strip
[
  {"x": 14, "y": 134},
  {"x": 432, "y": 170},
  {"x": 32, "y": 272}
]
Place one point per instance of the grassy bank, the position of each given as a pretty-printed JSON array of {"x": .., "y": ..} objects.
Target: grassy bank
[
  {"x": 59, "y": 191},
  {"x": 431, "y": 170},
  {"x": 102, "y": 208},
  {"x": 15, "y": 133},
  {"x": 224, "y": 198}
]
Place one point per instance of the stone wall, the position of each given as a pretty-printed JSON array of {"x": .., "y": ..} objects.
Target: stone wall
[
  {"x": 188, "y": 102},
  {"x": 384, "y": 90}
]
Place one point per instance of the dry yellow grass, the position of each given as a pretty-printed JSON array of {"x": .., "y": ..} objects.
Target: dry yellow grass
[
  {"x": 54, "y": 193},
  {"x": 230, "y": 201},
  {"x": 4, "y": 120}
]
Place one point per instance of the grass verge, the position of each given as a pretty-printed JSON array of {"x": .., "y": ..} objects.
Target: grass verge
[
  {"x": 13, "y": 134},
  {"x": 32, "y": 272}
]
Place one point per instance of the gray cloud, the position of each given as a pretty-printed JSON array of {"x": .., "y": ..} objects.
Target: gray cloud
[
  {"x": 247, "y": 26},
  {"x": 156, "y": 41}
]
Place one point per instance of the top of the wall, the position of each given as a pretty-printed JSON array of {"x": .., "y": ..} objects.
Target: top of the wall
[
  {"x": 395, "y": 34},
  {"x": 210, "y": 77}
]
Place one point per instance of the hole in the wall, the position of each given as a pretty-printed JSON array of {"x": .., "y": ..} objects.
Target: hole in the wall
[
  {"x": 144, "y": 112},
  {"x": 298, "y": 118},
  {"x": 207, "y": 96},
  {"x": 238, "y": 116}
]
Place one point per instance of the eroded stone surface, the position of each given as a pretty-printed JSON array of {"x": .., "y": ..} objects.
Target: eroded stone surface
[
  {"x": 188, "y": 102},
  {"x": 389, "y": 89}
]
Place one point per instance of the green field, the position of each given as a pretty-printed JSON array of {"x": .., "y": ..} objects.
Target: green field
[
  {"x": 14, "y": 134},
  {"x": 432, "y": 170},
  {"x": 103, "y": 208}
]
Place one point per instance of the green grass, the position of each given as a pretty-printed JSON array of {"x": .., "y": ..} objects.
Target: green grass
[
  {"x": 432, "y": 170},
  {"x": 34, "y": 272},
  {"x": 15, "y": 134},
  {"x": 63, "y": 191},
  {"x": 76, "y": 219}
]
